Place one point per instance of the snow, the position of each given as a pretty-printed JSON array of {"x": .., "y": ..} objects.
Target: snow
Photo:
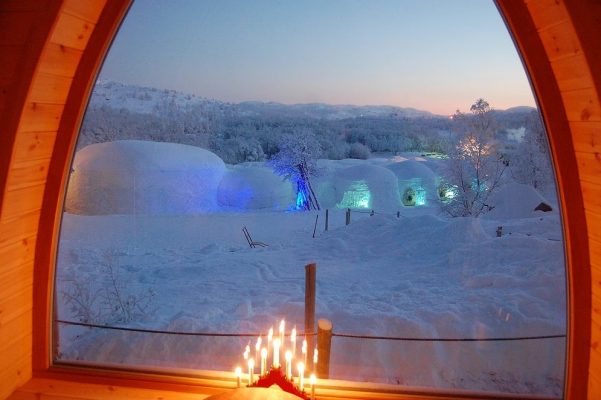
[
  {"x": 254, "y": 187},
  {"x": 516, "y": 200},
  {"x": 137, "y": 177},
  {"x": 422, "y": 276}
]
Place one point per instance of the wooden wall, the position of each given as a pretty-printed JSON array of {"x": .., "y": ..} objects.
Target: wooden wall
[
  {"x": 50, "y": 52},
  {"x": 41, "y": 45},
  {"x": 559, "y": 41}
]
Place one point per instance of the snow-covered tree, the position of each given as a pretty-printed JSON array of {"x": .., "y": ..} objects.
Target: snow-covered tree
[
  {"x": 530, "y": 163},
  {"x": 296, "y": 160},
  {"x": 475, "y": 168}
]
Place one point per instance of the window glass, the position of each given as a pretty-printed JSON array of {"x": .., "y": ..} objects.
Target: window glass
[{"x": 394, "y": 144}]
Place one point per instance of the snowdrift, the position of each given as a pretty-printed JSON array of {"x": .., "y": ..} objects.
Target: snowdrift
[
  {"x": 139, "y": 177},
  {"x": 515, "y": 200}
]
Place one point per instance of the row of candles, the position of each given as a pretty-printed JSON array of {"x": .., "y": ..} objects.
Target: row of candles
[{"x": 275, "y": 348}]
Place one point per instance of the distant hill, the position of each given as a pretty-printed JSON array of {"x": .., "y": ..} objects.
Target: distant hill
[{"x": 148, "y": 100}]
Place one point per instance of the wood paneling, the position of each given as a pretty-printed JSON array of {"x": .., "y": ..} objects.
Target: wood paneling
[
  {"x": 34, "y": 146},
  {"x": 39, "y": 117},
  {"x": 582, "y": 105},
  {"x": 572, "y": 73},
  {"x": 58, "y": 59},
  {"x": 73, "y": 31},
  {"x": 51, "y": 389},
  {"x": 50, "y": 89}
]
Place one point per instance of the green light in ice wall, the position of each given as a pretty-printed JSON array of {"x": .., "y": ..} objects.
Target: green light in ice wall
[{"x": 358, "y": 196}]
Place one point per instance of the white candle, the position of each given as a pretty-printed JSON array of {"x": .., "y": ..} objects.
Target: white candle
[
  {"x": 258, "y": 347},
  {"x": 304, "y": 350},
  {"x": 251, "y": 371},
  {"x": 247, "y": 352},
  {"x": 263, "y": 361},
  {"x": 282, "y": 330},
  {"x": 301, "y": 375},
  {"x": 238, "y": 376},
  {"x": 269, "y": 339},
  {"x": 289, "y": 364},
  {"x": 312, "y": 382},
  {"x": 276, "y": 353},
  {"x": 293, "y": 340}
]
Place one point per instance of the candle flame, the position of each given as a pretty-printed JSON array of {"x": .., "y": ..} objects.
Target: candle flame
[
  {"x": 251, "y": 363},
  {"x": 288, "y": 355},
  {"x": 293, "y": 334},
  {"x": 238, "y": 372},
  {"x": 258, "y": 345},
  {"x": 264, "y": 352},
  {"x": 315, "y": 356},
  {"x": 304, "y": 349},
  {"x": 312, "y": 379},
  {"x": 301, "y": 367},
  {"x": 270, "y": 334},
  {"x": 282, "y": 326}
]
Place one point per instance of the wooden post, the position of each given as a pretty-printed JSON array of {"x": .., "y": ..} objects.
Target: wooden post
[
  {"x": 324, "y": 344},
  {"x": 310, "y": 278},
  {"x": 371, "y": 214},
  {"x": 398, "y": 214},
  {"x": 315, "y": 227},
  {"x": 348, "y": 216},
  {"x": 327, "y": 218}
]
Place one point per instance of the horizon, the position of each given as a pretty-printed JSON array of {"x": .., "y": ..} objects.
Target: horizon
[
  {"x": 268, "y": 102},
  {"x": 398, "y": 53}
]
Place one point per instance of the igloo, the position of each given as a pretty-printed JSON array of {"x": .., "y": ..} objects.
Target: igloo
[
  {"x": 367, "y": 187},
  {"x": 254, "y": 188},
  {"x": 143, "y": 177},
  {"x": 417, "y": 183}
]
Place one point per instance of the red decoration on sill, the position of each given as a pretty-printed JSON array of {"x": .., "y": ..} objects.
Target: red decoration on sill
[{"x": 275, "y": 376}]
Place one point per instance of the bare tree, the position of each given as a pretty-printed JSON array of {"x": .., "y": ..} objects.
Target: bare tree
[
  {"x": 296, "y": 161},
  {"x": 475, "y": 168}
]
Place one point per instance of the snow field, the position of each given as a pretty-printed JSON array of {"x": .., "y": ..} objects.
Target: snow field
[{"x": 419, "y": 276}]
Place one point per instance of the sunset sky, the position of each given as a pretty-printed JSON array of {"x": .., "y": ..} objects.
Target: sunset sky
[{"x": 431, "y": 55}]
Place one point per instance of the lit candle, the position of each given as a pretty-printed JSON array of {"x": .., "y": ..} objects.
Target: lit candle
[
  {"x": 282, "y": 330},
  {"x": 312, "y": 382},
  {"x": 301, "y": 375},
  {"x": 238, "y": 376},
  {"x": 263, "y": 361},
  {"x": 251, "y": 371},
  {"x": 247, "y": 352},
  {"x": 276, "y": 353},
  {"x": 269, "y": 339},
  {"x": 293, "y": 340},
  {"x": 288, "y": 364},
  {"x": 258, "y": 347},
  {"x": 304, "y": 350},
  {"x": 315, "y": 359}
]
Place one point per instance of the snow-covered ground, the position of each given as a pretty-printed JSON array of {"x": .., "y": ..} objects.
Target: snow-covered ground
[{"x": 421, "y": 275}]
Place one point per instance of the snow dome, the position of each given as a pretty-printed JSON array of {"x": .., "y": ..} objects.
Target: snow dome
[
  {"x": 368, "y": 187},
  {"x": 254, "y": 187},
  {"x": 515, "y": 200},
  {"x": 417, "y": 183},
  {"x": 142, "y": 177}
]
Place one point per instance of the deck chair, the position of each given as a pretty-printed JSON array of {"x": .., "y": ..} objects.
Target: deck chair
[{"x": 250, "y": 240}]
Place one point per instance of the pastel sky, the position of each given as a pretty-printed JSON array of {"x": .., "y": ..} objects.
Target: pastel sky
[{"x": 435, "y": 55}]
